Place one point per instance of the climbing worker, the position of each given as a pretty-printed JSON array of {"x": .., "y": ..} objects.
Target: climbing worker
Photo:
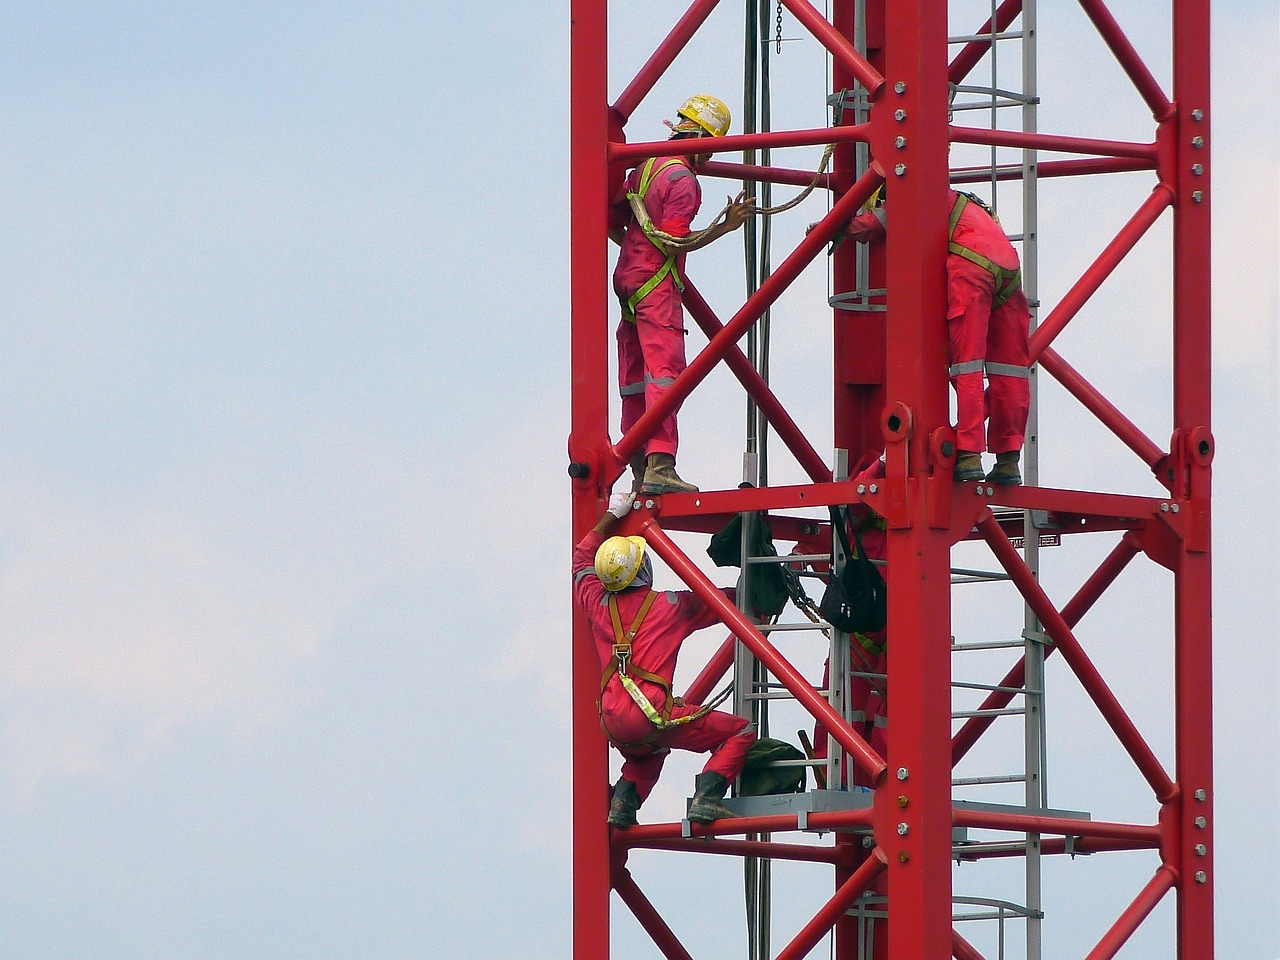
[
  {"x": 988, "y": 322},
  {"x": 652, "y": 222},
  {"x": 638, "y": 633}
]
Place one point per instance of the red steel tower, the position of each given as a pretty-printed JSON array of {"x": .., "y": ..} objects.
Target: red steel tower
[{"x": 890, "y": 392}]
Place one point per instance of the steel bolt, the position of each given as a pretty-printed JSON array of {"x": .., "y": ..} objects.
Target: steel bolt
[
  {"x": 900, "y": 87},
  {"x": 900, "y": 169},
  {"x": 903, "y": 829},
  {"x": 1201, "y": 849},
  {"x": 1201, "y": 877},
  {"x": 1174, "y": 507},
  {"x": 1200, "y": 823},
  {"x": 899, "y": 114},
  {"x": 903, "y": 773},
  {"x": 1196, "y": 169},
  {"x": 1197, "y": 142},
  {"x": 1164, "y": 508},
  {"x": 1197, "y": 196},
  {"x": 903, "y": 800},
  {"x": 899, "y": 142},
  {"x": 862, "y": 488},
  {"x": 648, "y": 504},
  {"x": 902, "y": 856},
  {"x": 1197, "y": 114},
  {"x": 868, "y": 843},
  {"x": 1201, "y": 795},
  {"x": 873, "y": 488}
]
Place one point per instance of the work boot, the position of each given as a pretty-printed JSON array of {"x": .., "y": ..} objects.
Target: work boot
[
  {"x": 623, "y": 805},
  {"x": 968, "y": 466},
  {"x": 710, "y": 790},
  {"x": 660, "y": 476},
  {"x": 637, "y": 463},
  {"x": 1005, "y": 472}
]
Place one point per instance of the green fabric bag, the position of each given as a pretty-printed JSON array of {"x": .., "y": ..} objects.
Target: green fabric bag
[
  {"x": 759, "y": 778},
  {"x": 768, "y": 580}
]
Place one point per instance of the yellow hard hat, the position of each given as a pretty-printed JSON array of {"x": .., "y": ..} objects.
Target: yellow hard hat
[
  {"x": 618, "y": 560},
  {"x": 706, "y": 113}
]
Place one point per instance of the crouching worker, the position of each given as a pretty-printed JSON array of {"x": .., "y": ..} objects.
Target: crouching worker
[{"x": 638, "y": 632}]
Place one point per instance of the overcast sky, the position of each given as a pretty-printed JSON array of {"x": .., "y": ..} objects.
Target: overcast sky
[{"x": 283, "y": 514}]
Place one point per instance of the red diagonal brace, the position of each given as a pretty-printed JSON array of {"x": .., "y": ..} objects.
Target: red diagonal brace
[
  {"x": 837, "y": 45},
  {"x": 1133, "y": 915},
  {"x": 835, "y": 908},
  {"x": 1076, "y": 608},
  {"x": 1092, "y": 278},
  {"x": 1074, "y": 654},
  {"x": 1102, "y": 408},
  {"x": 649, "y": 918},
  {"x": 866, "y": 758},
  {"x": 664, "y": 56},
  {"x": 1128, "y": 58},
  {"x": 748, "y": 314},
  {"x": 790, "y": 434}
]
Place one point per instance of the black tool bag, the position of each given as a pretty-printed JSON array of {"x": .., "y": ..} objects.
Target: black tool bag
[
  {"x": 768, "y": 580},
  {"x": 762, "y": 776},
  {"x": 855, "y": 601}
]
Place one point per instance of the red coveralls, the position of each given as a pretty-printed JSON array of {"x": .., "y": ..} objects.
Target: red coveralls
[
  {"x": 674, "y": 616},
  {"x": 982, "y": 336},
  {"x": 868, "y": 709},
  {"x": 651, "y": 350}
]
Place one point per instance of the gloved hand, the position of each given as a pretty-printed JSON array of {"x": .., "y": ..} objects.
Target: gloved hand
[{"x": 620, "y": 504}]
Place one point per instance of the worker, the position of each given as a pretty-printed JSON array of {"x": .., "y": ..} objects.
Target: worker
[
  {"x": 652, "y": 222},
  {"x": 988, "y": 322},
  {"x": 638, "y": 633}
]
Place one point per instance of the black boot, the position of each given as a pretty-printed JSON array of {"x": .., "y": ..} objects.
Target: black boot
[
  {"x": 706, "y": 806},
  {"x": 623, "y": 806}
]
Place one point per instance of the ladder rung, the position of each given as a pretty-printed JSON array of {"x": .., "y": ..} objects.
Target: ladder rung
[
  {"x": 987, "y": 645},
  {"x": 980, "y": 781},
  {"x": 991, "y": 687},
  {"x": 1006, "y": 712}
]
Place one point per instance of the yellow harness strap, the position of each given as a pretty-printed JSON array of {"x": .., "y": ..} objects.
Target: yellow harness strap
[
  {"x": 1007, "y": 281},
  {"x": 668, "y": 267},
  {"x": 622, "y": 666}
]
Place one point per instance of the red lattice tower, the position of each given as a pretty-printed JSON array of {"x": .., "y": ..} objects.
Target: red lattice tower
[{"x": 888, "y": 396}]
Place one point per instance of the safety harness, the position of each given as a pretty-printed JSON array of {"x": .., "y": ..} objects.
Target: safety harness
[
  {"x": 621, "y": 665},
  {"x": 1007, "y": 281},
  {"x": 636, "y": 199}
]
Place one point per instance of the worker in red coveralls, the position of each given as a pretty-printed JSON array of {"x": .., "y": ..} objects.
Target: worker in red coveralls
[
  {"x": 866, "y": 700},
  {"x": 638, "y": 632},
  {"x": 652, "y": 221}
]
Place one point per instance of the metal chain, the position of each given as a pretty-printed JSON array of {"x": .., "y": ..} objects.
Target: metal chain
[{"x": 778, "y": 38}]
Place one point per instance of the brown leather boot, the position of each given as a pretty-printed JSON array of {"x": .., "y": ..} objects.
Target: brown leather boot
[
  {"x": 660, "y": 476},
  {"x": 1005, "y": 472},
  {"x": 968, "y": 466},
  {"x": 623, "y": 805},
  {"x": 706, "y": 805}
]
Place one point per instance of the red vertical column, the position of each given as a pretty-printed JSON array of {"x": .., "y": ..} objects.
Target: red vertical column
[
  {"x": 1192, "y": 849},
  {"x": 858, "y": 337},
  {"x": 588, "y": 441},
  {"x": 913, "y": 804}
]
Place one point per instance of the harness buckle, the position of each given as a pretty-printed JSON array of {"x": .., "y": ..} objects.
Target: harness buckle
[{"x": 622, "y": 653}]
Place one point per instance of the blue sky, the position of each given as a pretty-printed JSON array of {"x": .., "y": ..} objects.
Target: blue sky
[{"x": 283, "y": 513}]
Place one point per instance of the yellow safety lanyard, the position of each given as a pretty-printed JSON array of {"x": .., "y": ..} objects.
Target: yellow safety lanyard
[
  {"x": 668, "y": 267},
  {"x": 621, "y": 665},
  {"x": 1007, "y": 281}
]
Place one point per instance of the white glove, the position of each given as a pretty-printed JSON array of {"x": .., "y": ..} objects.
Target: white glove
[{"x": 620, "y": 504}]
